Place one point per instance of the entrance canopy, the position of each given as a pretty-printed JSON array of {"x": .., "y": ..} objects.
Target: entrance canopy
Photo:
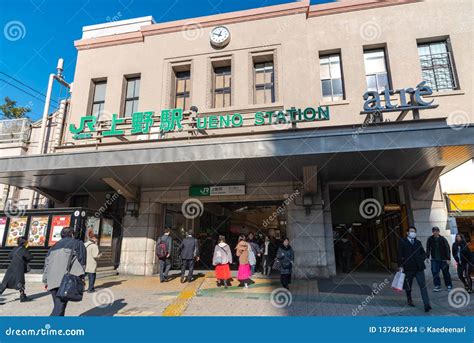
[{"x": 384, "y": 151}]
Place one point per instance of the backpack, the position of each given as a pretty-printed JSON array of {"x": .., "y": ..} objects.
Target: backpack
[{"x": 161, "y": 249}]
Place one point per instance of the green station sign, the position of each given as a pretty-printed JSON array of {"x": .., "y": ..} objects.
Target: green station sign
[
  {"x": 207, "y": 190},
  {"x": 172, "y": 120}
]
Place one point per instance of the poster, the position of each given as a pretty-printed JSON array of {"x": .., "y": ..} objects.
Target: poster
[
  {"x": 16, "y": 229},
  {"x": 57, "y": 224},
  {"x": 3, "y": 224},
  {"x": 92, "y": 226},
  {"x": 37, "y": 231},
  {"x": 106, "y": 232}
]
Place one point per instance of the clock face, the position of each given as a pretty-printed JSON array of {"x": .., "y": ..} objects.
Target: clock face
[{"x": 220, "y": 36}]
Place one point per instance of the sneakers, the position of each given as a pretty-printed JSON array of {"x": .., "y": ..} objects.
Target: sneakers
[
  {"x": 450, "y": 288},
  {"x": 437, "y": 289}
]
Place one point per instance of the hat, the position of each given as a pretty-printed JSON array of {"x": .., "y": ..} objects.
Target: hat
[{"x": 435, "y": 228}]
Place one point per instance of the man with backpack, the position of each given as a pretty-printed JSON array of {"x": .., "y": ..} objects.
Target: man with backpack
[{"x": 163, "y": 252}]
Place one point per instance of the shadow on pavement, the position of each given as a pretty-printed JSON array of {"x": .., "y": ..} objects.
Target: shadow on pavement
[
  {"x": 110, "y": 284},
  {"x": 329, "y": 286},
  {"x": 108, "y": 310}
]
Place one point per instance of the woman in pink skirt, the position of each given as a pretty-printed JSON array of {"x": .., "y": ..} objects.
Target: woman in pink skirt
[{"x": 242, "y": 252}]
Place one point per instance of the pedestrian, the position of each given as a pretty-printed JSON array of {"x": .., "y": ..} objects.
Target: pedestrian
[
  {"x": 254, "y": 253},
  {"x": 93, "y": 255},
  {"x": 347, "y": 252},
  {"x": 222, "y": 259},
  {"x": 56, "y": 266},
  {"x": 189, "y": 251},
  {"x": 411, "y": 261},
  {"x": 464, "y": 263},
  {"x": 15, "y": 275},
  {"x": 268, "y": 252},
  {"x": 438, "y": 248},
  {"x": 242, "y": 252},
  {"x": 163, "y": 252},
  {"x": 286, "y": 256}
]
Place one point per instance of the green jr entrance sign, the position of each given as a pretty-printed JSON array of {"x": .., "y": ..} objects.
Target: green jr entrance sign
[
  {"x": 172, "y": 120},
  {"x": 205, "y": 191}
]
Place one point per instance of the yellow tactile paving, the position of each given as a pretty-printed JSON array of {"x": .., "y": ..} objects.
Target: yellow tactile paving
[{"x": 177, "y": 307}]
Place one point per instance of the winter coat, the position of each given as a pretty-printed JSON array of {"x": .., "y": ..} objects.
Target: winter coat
[
  {"x": 272, "y": 250},
  {"x": 466, "y": 255},
  {"x": 286, "y": 256},
  {"x": 55, "y": 265},
  {"x": 222, "y": 254},
  {"x": 444, "y": 249},
  {"x": 15, "y": 275},
  {"x": 189, "y": 248},
  {"x": 92, "y": 256},
  {"x": 411, "y": 257},
  {"x": 242, "y": 252}
]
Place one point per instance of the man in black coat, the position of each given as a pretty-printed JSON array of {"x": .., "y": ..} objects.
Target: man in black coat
[
  {"x": 188, "y": 251},
  {"x": 411, "y": 261},
  {"x": 15, "y": 275},
  {"x": 437, "y": 247}
]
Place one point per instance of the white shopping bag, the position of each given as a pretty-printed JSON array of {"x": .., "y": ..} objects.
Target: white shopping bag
[{"x": 398, "y": 281}]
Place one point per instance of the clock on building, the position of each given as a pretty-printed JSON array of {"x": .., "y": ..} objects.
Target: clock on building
[{"x": 220, "y": 36}]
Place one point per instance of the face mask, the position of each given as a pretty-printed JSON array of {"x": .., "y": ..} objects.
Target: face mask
[{"x": 412, "y": 234}]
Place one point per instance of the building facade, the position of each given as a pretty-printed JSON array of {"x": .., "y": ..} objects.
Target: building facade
[{"x": 308, "y": 122}]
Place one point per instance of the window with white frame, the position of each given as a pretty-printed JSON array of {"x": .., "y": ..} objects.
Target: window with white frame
[
  {"x": 331, "y": 77},
  {"x": 437, "y": 65}
]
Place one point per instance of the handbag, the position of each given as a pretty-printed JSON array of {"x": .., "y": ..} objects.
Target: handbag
[
  {"x": 72, "y": 286},
  {"x": 276, "y": 264},
  {"x": 398, "y": 281}
]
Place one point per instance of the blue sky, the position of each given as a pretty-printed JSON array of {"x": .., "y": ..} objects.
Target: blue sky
[{"x": 46, "y": 30}]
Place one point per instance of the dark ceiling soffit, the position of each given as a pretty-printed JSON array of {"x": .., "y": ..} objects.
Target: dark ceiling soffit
[{"x": 56, "y": 196}]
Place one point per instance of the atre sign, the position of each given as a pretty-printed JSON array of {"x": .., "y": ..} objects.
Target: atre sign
[{"x": 409, "y": 99}]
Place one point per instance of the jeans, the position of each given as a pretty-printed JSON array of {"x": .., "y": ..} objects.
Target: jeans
[
  {"x": 266, "y": 265},
  {"x": 285, "y": 280},
  {"x": 436, "y": 267},
  {"x": 165, "y": 266},
  {"x": 91, "y": 277},
  {"x": 420, "y": 279},
  {"x": 187, "y": 264},
  {"x": 59, "y": 306},
  {"x": 464, "y": 274}
]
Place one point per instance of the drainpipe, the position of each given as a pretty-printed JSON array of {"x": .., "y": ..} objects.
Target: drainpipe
[{"x": 58, "y": 77}]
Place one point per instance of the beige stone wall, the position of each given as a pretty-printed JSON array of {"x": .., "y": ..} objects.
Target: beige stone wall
[{"x": 296, "y": 42}]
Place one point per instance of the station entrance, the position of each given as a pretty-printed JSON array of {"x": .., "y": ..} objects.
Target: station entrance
[
  {"x": 367, "y": 225},
  {"x": 229, "y": 219}
]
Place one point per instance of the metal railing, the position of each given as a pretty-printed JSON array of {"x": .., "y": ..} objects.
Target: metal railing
[{"x": 15, "y": 130}]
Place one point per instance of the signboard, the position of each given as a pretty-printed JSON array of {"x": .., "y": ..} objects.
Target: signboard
[
  {"x": 92, "y": 226},
  {"x": 461, "y": 202},
  {"x": 409, "y": 100},
  {"x": 57, "y": 224},
  {"x": 37, "y": 231},
  {"x": 3, "y": 224},
  {"x": 16, "y": 229},
  {"x": 204, "y": 191},
  {"x": 172, "y": 120},
  {"x": 106, "y": 232}
]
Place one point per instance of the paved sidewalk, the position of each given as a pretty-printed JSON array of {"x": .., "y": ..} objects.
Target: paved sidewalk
[{"x": 345, "y": 295}]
